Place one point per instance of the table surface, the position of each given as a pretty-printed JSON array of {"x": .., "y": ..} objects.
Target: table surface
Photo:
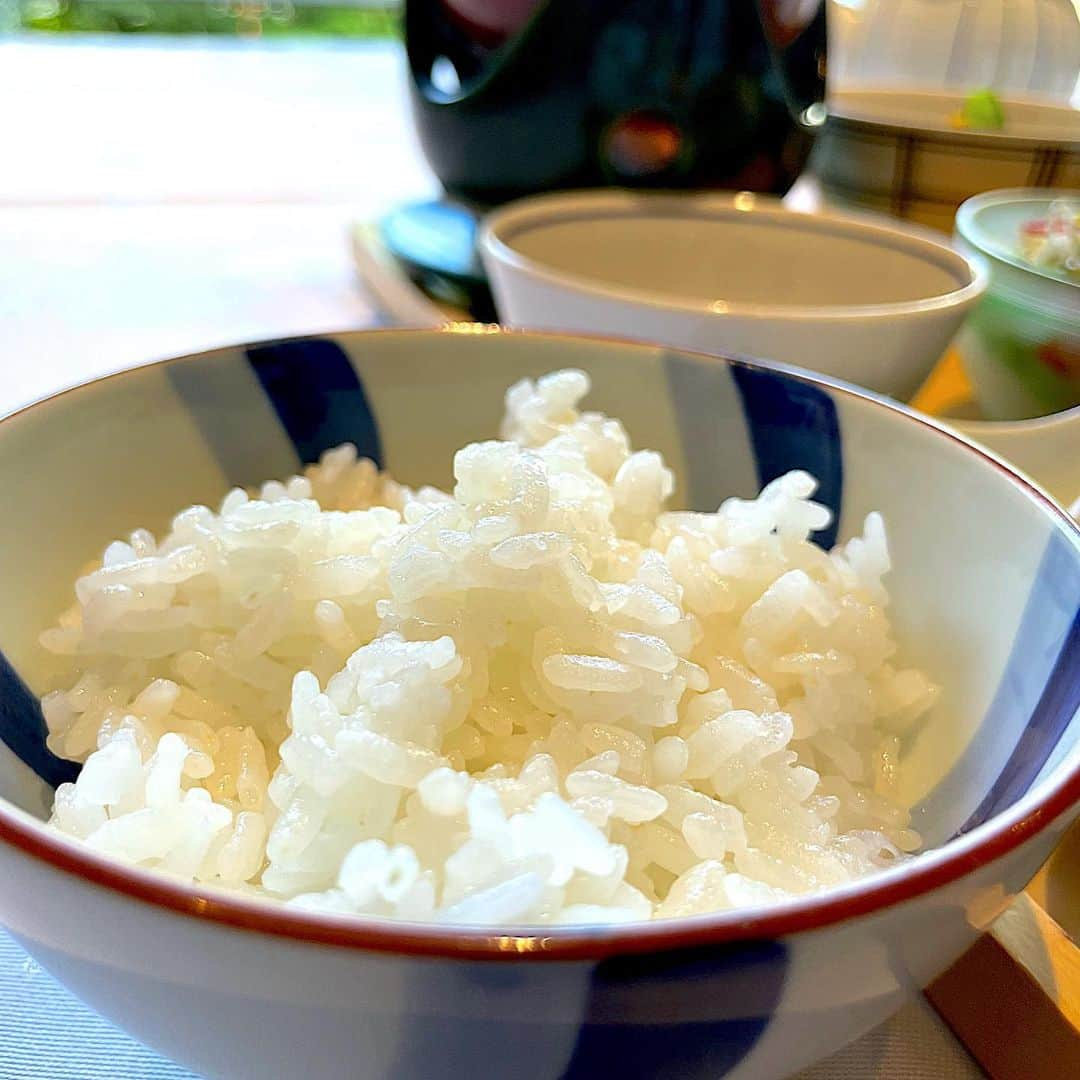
[{"x": 159, "y": 197}]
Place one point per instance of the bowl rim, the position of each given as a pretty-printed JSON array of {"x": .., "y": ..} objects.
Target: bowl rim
[
  {"x": 972, "y": 232},
  {"x": 500, "y": 227},
  {"x": 976, "y": 427},
  {"x": 1031, "y": 814},
  {"x": 843, "y": 107}
]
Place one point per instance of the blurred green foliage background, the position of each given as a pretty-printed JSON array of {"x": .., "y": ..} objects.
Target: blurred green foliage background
[{"x": 245, "y": 18}]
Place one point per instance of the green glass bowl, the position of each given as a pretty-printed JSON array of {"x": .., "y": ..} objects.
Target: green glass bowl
[{"x": 1021, "y": 345}]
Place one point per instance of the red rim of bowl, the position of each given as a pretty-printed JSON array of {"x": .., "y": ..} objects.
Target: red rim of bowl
[{"x": 931, "y": 870}]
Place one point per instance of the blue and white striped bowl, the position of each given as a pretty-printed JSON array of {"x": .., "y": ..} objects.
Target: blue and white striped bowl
[{"x": 987, "y": 597}]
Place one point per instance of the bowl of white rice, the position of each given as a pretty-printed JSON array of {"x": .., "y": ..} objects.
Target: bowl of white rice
[{"x": 419, "y": 704}]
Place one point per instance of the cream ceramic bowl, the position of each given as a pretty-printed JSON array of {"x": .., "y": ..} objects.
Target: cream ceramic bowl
[
  {"x": 1046, "y": 448},
  {"x": 896, "y": 151},
  {"x": 985, "y": 594},
  {"x": 852, "y": 296}
]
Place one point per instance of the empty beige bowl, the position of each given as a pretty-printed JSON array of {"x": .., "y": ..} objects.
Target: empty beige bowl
[{"x": 854, "y": 296}]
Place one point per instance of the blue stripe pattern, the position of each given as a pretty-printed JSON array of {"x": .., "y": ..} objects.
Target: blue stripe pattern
[
  {"x": 318, "y": 396},
  {"x": 710, "y": 423},
  {"x": 743, "y": 985},
  {"x": 222, "y": 397},
  {"x": 1041, "y": 683},
  {"x": 794, "y": 425},
  {"x": 23, "y": 730}
]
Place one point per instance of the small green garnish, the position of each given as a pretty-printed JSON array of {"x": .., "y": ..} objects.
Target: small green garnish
[{"x": 982, "y": 110}]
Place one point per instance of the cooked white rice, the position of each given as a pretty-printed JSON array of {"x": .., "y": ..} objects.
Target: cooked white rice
[{"x": 538, "y": 699}]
